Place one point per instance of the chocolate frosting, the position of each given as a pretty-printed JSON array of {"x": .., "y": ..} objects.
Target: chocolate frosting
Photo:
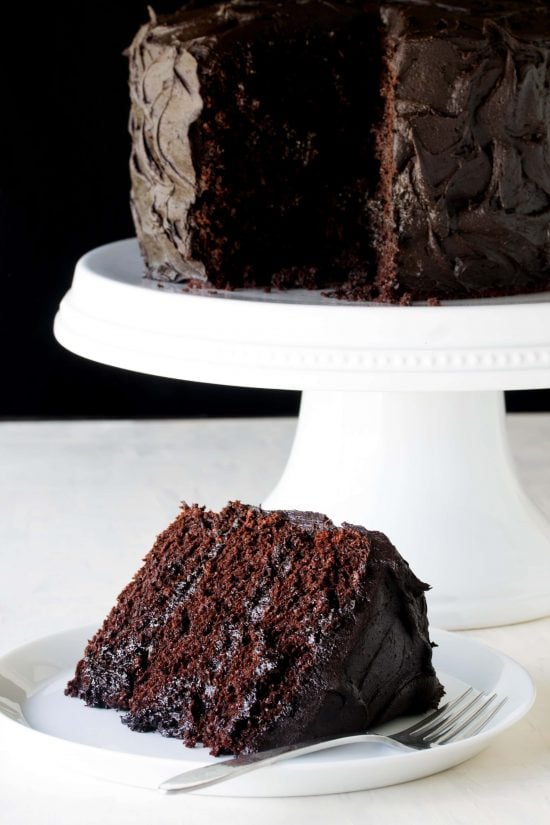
[
  {"x": 472, "y": 147},
  {"x": 344, "y": 693},
  {"x": 166, "y": 100}
]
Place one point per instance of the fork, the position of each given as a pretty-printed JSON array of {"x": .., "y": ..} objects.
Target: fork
[{"x": 465, "y": 716}]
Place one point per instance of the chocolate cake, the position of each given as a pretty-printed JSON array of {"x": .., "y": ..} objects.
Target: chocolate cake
[
  {"x": 390, "y": 151},
  {"x": 247, "y": 629}
]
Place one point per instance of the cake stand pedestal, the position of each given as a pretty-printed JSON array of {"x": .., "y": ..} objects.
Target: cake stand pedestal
[{"x": 401, "y": 424}]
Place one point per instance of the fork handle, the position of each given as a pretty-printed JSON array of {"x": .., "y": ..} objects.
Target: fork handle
[{"x": 238, "y": 765}]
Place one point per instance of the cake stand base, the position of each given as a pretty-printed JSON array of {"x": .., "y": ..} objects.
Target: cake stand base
[
  {"x": 402, "y": 419},
  {"x": 434, "y": 472}
]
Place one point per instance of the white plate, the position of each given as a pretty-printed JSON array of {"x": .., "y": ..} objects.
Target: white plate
[{"x": 39, "y": 723}]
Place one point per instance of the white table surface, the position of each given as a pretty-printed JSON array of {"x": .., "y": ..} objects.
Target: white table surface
[{"x": 81, "y": 503}]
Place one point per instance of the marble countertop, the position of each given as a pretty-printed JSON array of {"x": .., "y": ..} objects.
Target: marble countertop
[{"x": 81, "y": 503}]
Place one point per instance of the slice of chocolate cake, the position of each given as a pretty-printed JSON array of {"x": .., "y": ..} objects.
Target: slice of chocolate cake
[
  {"x": 247, "y": 629},
  {"x": 381, "y": 150}
]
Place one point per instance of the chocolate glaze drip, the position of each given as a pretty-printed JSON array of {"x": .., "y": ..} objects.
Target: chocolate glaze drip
[{"x": 443, "y": 188}]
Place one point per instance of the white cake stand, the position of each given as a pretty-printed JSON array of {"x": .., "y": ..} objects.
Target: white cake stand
[{"x": 401, "y": 424}]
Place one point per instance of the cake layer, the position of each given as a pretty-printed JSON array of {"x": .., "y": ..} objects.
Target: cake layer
[
  {"x": 247, "y": 629},
  {"x": 381, "y": 150}
]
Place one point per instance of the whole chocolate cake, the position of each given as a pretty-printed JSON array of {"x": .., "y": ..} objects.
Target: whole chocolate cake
[
  {"x": 247, "y": 629},
  {"x": 390, "y": 151}
]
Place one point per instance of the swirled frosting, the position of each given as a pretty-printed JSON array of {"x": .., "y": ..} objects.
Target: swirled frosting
[
  {"x": 471, "y": 186},
  {"x": 166, "y": 100}
]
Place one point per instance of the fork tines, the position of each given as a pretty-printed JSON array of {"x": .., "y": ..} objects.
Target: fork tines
[{"x": 466, "y": 715}]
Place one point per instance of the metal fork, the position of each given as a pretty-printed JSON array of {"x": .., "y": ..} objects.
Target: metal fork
[{"x": 467, "y": 715}]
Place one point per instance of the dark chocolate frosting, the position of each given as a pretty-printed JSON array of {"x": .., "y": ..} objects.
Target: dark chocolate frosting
[
  {"x": 343, "y": 692},
  {"x": 472, "y": 150}
]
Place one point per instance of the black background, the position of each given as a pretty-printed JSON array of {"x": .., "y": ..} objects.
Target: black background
[{"x": 64, "y": 190}]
